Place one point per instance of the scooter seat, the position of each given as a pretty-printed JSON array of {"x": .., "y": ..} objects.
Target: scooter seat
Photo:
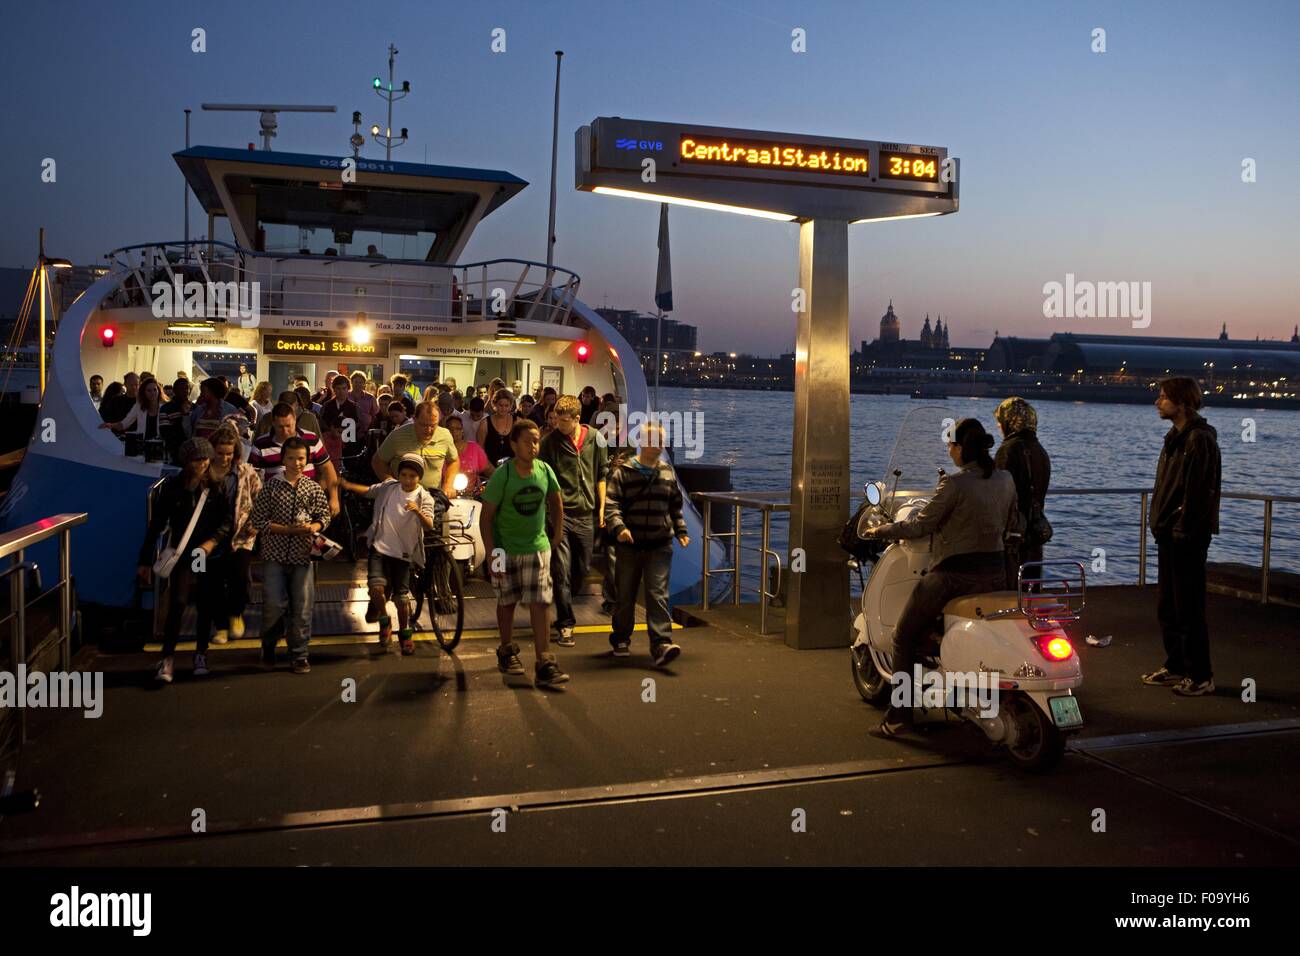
[{"x": 981, "y": 605}]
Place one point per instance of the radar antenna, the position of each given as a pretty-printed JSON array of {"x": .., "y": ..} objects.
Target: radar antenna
[{"x": 268, "y": 111}]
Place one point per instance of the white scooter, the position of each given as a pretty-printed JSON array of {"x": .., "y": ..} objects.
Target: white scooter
[
  {"x": 462, "y": 529},
  {"x": 1003, "y": 663}
]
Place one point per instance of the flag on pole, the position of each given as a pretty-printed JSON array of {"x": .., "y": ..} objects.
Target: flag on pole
[{"x": 664, "y": 279}]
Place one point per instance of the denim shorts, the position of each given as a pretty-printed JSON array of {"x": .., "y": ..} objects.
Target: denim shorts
[{"x": 392, "y": 574}]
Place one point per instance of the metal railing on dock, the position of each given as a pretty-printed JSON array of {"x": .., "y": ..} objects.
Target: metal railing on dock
[
  {"x": 766, "y": 503},
  {"x": 13, "y": 545}
]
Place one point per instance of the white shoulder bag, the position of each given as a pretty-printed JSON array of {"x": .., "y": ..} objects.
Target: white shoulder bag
[{"x": 169, "y": 557}]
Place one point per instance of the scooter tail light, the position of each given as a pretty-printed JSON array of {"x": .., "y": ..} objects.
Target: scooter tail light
[{"x": 1055, "y": 647}]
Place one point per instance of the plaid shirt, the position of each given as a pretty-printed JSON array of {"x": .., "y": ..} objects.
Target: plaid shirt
[{"x": 280, "y": 503}]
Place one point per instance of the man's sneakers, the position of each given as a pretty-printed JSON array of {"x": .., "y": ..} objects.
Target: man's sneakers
[
  {"x": 165, "y": 671},
  {"x": 1182, "y": 686},
  {"x": 1161, "y": 677},
  {"x": 375, "y": 610},
  {"x": 301, "y": 665},
  {"x": 664, "y": 653},
  {"x": 565, "y": 637},
  {"x": 897, "y": 720},
  {"x": 221, "y": 637},
  {"x": 622, "y": 648},
  {"x": 407, "y": 637},
  {"x": 385, "y": 631},
  {"x": 508, "y": 661},
  {"x": 201, "y": 665},
  {"x": 1193, "y": 688},
  {"x": 547, "y": 672},
  {"x": 236, "y": 627}
]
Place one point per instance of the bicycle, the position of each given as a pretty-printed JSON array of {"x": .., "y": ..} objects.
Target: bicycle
[{"x": 440, "y": 580}]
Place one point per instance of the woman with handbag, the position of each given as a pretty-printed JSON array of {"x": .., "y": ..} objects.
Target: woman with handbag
[
  {"x": 1021, "y": 454},
  {"x": 198, "y": 520}
]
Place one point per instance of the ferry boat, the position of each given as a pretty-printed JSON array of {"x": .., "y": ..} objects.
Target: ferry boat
[{"x": 284, "y": 233}]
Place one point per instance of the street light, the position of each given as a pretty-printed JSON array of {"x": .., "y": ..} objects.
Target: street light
[{"x": 44, "y": 263}]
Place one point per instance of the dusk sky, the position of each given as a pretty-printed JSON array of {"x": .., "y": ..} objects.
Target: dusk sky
[{"x": 1123, "y": 165}]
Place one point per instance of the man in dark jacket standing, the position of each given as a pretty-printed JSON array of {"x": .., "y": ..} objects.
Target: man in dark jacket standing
[{"x": 1184, "y": 516}]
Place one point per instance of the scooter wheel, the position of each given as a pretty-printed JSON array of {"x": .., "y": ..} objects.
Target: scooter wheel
[
  {"x": 872, "y": 686},
  {"x": 1033, "y": 741}
]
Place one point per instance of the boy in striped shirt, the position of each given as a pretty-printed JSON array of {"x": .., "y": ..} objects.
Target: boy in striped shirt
[{"x": 643, "y": 513}]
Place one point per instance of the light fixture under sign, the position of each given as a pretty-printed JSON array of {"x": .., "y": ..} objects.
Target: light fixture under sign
[
  {"x": 192, "y": 328},
  {"x": 695, "y": 203}
]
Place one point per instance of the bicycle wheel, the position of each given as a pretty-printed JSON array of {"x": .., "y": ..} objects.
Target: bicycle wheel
[{"x": 445, "y": 593}]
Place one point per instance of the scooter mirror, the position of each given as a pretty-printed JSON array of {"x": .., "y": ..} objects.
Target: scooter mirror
[{"x": 873, "y": 492}]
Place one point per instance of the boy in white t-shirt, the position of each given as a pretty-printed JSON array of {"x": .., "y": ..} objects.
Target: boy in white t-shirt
[{"x": 403, "y": 511}]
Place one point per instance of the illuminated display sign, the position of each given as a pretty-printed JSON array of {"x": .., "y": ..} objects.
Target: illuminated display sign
[
  {"x": 323, "y": 346},
  {"x": 915, "y": 167},
  {"x": 752, "y": 154},
  {"x": 772, "y": 175}
]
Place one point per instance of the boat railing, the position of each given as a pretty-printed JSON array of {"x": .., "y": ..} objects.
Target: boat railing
[
  {"x": 404, "y": 294},
  {"x": 766, "y": 504},
  {"x": 14, "y": 545}
]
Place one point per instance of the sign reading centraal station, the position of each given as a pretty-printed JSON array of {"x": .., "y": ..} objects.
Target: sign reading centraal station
[
  {"x": 818, "y": 176},
  {"x": 323, "y": 345}
]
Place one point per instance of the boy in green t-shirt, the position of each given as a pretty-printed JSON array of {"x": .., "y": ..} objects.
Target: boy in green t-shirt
[{"x": 513, "y": 525}]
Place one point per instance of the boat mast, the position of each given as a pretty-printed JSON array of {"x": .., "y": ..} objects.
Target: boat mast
[{"x": 555, "y": 138}]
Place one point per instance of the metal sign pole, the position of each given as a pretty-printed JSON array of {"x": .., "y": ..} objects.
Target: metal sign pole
[
  {"x": 659, "y": 333},
  {"x": 817, "y": 612}
]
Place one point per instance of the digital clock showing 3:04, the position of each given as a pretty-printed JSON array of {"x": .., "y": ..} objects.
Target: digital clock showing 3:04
[{"x": 910, "y": 166}]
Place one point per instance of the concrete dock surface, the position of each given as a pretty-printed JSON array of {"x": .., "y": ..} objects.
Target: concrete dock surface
[{"x": 715, "y": 760}]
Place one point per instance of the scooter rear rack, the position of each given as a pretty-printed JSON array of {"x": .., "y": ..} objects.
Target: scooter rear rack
[{"x": 1051, "y": 593}]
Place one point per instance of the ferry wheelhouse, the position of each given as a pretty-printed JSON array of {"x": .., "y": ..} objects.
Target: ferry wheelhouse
[{"x": 301, "y": 273}]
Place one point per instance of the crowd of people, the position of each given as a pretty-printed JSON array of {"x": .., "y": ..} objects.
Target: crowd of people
[
  {"x": 987, "y": 519},
  {"x": 266, "y": 480}
]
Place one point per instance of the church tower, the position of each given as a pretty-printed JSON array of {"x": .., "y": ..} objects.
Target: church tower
[
  {"x": 927, "y": 337},
  {"x": 889, "y": 326},
  {"x": 944, "y": 344},
  {"x": 1223, "y": 336},
  {"x": 1295, "y": 336}
]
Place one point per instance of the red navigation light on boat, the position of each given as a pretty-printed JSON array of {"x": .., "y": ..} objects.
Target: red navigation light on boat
[
  {"x": 584, "y": 352},
  {"x": 107, "y": 336}
]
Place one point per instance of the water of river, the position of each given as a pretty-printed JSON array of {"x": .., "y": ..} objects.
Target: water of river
[{"x": 1092, "y": 446}]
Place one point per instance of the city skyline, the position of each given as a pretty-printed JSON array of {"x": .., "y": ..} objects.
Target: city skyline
[{"x": 1074, "y": 162}]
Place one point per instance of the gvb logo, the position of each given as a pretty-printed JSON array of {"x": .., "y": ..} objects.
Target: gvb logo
[
  {"x": 78, "y": 909},
  {"x": 240, "y": 301}
]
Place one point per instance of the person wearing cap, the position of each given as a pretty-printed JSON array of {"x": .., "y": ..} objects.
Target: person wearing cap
[
  {"x": 403, "y": 512},
  {"x": 424, "y": 437},
  {"x": 178, "y": 499}
]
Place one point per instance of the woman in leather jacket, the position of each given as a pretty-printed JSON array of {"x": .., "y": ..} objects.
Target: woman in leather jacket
[{"x": 968, "y": 518}]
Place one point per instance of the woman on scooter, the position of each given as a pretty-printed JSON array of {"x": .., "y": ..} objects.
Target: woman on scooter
[{"x": 968, "y": 517}]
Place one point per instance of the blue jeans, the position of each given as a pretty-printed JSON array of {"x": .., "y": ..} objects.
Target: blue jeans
[
  {"x": 291, "y": 587},
  {"x": 569, "y": 564},
  {"x": 635, "y": 568}
]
